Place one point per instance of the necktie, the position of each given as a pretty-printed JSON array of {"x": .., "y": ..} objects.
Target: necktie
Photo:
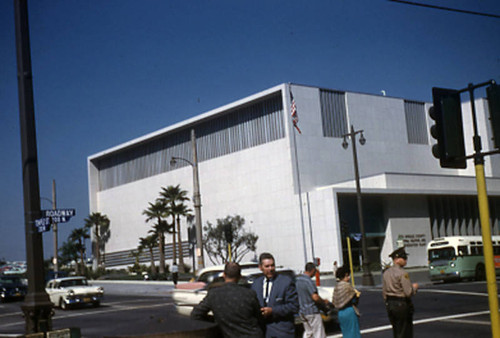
[{"x": 266, "y": 299}]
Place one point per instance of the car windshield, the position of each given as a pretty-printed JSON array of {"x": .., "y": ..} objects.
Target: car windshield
[
  {"x": 73, "y": 282},
  {"x": 10, "y": 280},
  {"x": 210, "y": 276},
  {"x": 447, "y": 253}
]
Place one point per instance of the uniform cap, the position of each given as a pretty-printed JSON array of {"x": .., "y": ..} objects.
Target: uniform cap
[{"x": 399, "y": 253}]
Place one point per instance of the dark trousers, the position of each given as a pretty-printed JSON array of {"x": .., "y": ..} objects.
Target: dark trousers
[{"x": 400, "y": 311}]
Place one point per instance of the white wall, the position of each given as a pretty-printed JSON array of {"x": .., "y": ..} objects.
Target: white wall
[{"x": 259, "y": 183}]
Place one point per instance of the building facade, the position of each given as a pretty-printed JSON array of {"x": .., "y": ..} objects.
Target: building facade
[{"x": 297, "y": 191}]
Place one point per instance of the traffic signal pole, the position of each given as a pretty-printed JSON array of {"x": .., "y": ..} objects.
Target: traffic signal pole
[
  {"x": 484, "y": 215},
  {"x": 37, "y": 308}
]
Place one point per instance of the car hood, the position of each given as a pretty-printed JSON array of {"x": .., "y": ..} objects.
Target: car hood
[{"x": 80, "y": 290}]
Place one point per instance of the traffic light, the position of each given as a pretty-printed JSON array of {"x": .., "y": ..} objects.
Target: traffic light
[
  {"x": 493, "y": 95},
  {"x": 228, "y": 233},
  {"x": 448, "y": 128}
]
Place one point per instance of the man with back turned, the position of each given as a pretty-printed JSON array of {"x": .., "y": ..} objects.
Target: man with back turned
[{"x": 235, "y": 307}]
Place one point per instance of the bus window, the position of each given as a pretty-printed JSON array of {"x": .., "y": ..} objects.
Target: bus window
[
  {"x": 476, "y": 250},
  {"x": 462, "y": 251},
  {"x": 441, "y": 254},
  {"x": 496, "y": 250}
]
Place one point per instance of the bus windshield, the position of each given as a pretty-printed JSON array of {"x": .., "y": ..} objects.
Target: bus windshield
[{"x": 441, "y": 254}]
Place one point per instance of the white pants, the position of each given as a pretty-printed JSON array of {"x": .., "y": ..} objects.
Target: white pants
[{"x": 313, "y": 326}]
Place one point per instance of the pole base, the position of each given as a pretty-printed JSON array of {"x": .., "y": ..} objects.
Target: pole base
[
  {"x": 38, "y": 311},
  {"x": 367, "y": 279}
]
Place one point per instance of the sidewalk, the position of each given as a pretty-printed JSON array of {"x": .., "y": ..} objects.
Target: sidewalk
[{"x": 418, "y": 275}]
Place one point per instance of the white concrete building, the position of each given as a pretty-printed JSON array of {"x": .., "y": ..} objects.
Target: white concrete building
[{"x": 253, "y": 163}]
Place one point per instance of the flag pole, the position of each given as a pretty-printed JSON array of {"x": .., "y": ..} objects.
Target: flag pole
[{"x": 292, "y": 103}]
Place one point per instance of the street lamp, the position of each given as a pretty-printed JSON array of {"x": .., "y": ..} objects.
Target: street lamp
[
  {"x": 367, "y": 275},
  {"x": 196, "y": 199}
]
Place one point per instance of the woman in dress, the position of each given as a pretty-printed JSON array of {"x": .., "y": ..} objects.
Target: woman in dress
[{"x": 345, "y": 298}]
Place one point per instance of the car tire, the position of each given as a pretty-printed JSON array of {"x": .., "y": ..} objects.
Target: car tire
[
  {"x": 62, "y": 304},
  {"x": 96, "y": 304}
]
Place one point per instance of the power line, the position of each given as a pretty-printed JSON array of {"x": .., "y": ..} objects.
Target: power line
[{"x": 446, "y": 8}]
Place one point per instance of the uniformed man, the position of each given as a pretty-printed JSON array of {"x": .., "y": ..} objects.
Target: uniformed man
[{"x": 397, "y": 290}]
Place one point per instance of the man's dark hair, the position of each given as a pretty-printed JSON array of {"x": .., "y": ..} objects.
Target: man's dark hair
[
  {"x": 265, "y": 255},
  {"x": 310, "y": 266},
  {"x": 342, "y": 272},
  {"x": 232, "y": 270}
]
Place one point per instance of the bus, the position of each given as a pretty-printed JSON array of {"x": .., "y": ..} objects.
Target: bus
[{"x": 460, "y": 258}]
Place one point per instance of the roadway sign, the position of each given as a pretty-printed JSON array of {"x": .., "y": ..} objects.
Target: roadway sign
[
  {"x": 53, "y": 216},
  {"x": 59, "y": 215},
  {"x": 43, "y": 224}
]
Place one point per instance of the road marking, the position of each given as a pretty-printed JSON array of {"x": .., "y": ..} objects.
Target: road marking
[
  {"x": 462, "y": 321},
  {"x": 420, "y": 321},
  {"x": 114, "y": 309},
  {"x": 20, "y": 313},
  {"x": 453, "y": 292}
]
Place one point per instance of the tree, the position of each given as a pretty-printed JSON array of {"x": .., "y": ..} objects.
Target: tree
[
  {"x": 149, "y": 243},
  {"x": 179, "y": 210},
  {"x": 78, "y": 237},
  {"x": 100, "y": 224},
  {"x": 68, "y": 252},
  {"x": 174, "y": 198},
  {"x": 156, "y": 212},
  {"x": 216, "y": 244}
]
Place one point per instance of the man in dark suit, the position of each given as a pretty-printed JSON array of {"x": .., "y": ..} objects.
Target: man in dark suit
[
  {"x": 277, "y": 297},
  {"x": 236, "y": 308}
]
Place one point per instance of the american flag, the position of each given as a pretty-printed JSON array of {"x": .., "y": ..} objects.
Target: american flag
[{"x": 293, "y": 113}]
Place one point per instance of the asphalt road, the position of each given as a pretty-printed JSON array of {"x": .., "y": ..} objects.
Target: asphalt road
[{"x": 134, "y": 309}]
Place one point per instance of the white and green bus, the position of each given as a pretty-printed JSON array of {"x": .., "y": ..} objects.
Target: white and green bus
[{"x": 460, "y": 257}]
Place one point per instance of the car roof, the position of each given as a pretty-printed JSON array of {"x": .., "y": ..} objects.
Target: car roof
[
  {"x": 220, "y": 267},
  {"x": 67, "y": 278}
]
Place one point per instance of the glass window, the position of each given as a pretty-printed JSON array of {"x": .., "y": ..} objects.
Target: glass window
[{"x": 447, "y": 253}]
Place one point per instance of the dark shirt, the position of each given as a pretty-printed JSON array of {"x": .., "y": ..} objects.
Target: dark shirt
[{"x": 236, "y": 310}]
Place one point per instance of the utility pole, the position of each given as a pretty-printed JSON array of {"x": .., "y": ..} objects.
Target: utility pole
[
  {"x": 37, "y": 307},
  {"x": 196, "y": 199},
  {"x": 54, "y": 228},
  {"x": 197, "y": 203}
]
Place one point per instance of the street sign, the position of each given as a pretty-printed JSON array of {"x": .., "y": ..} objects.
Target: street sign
[
  {"x": 53, "y": 216},
  {"x": 59, "y": 215},
  {"x": 43, "y": 224}
]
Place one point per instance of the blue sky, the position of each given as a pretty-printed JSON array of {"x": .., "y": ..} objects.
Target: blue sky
[{"x": 106, "y": 72}]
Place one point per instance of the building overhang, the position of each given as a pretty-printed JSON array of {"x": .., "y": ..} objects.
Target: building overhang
[
  {"x": 189, "y": 122},
  {"x": 416, "y": 184}
]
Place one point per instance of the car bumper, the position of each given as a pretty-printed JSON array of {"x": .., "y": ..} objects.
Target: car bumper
[{"x": 83, "y": 299}]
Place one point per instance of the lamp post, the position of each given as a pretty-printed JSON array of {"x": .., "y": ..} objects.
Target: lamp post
[
  {"x": 196, "y": 199},
  {"x": 367, "y": 275}
]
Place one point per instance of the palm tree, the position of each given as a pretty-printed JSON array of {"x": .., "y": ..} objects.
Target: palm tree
[
  {"x": 174, "y": 197},
  {"x": 149, "y": 243},
  {"x": 68, "y": 252},
  {"x": 179, "y": 210},
  {"x": 156, "y": 212},
  {"x": 78, "y": 236},
  {"x": 100, "y": 223}
]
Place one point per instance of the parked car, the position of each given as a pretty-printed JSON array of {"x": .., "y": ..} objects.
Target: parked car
[
  {"x": 69, "y": 291},
  {"x": 12, "y": 288},
  {"x": 213, "y": 273},
  {"x": 188, "y": 295}
]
